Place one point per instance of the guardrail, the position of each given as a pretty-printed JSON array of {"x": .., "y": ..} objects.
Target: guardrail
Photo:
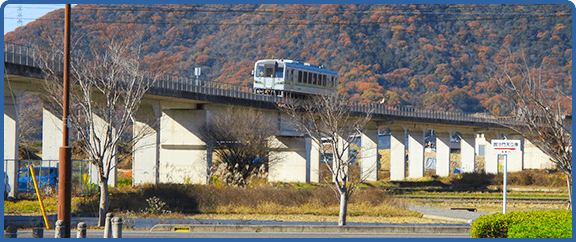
[{"x": 23, "y": 55}]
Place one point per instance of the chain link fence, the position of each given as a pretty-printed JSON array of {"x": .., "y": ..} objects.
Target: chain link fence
[{"x": 46, "y": 172}]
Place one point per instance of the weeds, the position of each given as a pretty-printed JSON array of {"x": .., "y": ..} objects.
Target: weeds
[{"x": 156, "y": 206}]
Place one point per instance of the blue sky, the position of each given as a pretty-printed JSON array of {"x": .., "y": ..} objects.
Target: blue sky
[{"x": 28, "y": 13}]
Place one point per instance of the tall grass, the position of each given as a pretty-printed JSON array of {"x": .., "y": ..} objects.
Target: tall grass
[{"x": 195, "y": 199}]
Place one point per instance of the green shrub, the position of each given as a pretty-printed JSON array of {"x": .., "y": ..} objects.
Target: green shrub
[
  {"x": 538, "y": 224},
  {"x": 540, "y": 229},
  {"x": 490, "y": 226}
]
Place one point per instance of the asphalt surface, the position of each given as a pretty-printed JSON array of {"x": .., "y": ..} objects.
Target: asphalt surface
[
  {"x": 204, "y": 235},
  {"x": 447, "y": 214},
  {"x": 192, "y": 228}
]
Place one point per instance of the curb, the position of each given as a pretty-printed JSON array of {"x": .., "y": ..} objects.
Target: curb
[
  {"x": 399, "y": 229},
  {"x": 468, "y": 221}
]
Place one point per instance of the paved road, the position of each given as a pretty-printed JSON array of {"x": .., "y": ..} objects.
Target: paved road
[
  {"x": 148, "y": 234},
  {"x": 146, "y": 224},
  {"x": 446, "y": 214}
]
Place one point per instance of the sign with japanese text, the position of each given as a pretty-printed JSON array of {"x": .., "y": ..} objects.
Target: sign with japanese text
[{"x": 506, "y": 146}]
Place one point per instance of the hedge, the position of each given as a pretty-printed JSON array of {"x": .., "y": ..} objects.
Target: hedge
[{"x": 538, "y": 224}]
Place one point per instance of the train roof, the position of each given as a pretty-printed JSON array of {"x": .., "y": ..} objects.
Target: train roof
[{"x": 301, "y": 65}]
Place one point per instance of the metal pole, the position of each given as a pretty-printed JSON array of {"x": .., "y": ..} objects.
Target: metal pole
[
  {"x": 505, "y": 182},
  {"x": 64, "y": 186}
]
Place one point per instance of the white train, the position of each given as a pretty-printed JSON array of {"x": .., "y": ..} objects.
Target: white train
[{"x": 287, "y": 77}]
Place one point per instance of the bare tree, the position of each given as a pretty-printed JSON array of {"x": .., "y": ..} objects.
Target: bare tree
[
  {"x": 239, "y": 139},
  {"x": 107, "y": 86},
  {"x": 541, "y": 111},
  {"x": 328, "y": 121}
]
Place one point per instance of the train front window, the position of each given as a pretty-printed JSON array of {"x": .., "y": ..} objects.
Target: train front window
[
  {"x": 259, "y": 70},
  {"x": 269, "y": 71}
]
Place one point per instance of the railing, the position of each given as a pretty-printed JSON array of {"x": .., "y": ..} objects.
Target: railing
[{"x": 21, "y": 54}]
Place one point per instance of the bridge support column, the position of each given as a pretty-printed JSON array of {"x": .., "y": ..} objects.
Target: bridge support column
[
  {"x": 51, "y": 135},
  {"x": 313, "y": 159},
  {"x": 100, "y": 128},
  {"x": 11, "y": 142},
  {"x": 183, "y": 155},
  {"x": 344, "y": 150},
  {"x": 516, "y": 161},
  {"x": 290, "y": 163},
  {"x": 534, "y": 158},
  {"x": 467, "y": 153},
  {"x": 490, "y": 159},
  {"x": 146, "y": 149},
  {"x": 369, "y": 155},
  {"x": 416, "y": 154},
  {"x": 397, "y": 155},
  {"x": 442, "y": 154}
]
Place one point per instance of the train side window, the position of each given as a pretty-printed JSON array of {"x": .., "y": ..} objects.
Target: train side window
[
  {"x": 299, "y": 76},
  {"x": 315, "y": 79},
  {"x": 309, "y": 77},
  {"x": 305, "y": 78},
  {"x": 292, "y": 75},
  {"x": 323, "y": 80}
]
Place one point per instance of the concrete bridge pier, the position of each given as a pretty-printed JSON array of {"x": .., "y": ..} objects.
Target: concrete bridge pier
[
  {"x": 416, "y": 152},
  {"x": 313, "y": 159},
  {"x": 51, "y": 135},
  {"x": 146, "y": 131},
  {"x": 397, "y": 154},
  {"x": 293, "y": 160},
  {"x": 467, "y": 152},
  {"x": 533, "y": 157},
  {"x": 490, "y": 159},
  {"x": 11, "y": 140},
  {"x": 369, "y": 155},
  {"x": 443, "y": 153},
  {"x": 184, "y": 157},
  {"x": 100, "y": 129}
]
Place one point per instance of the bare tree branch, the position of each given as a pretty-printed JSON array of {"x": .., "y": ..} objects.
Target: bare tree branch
[
  {"x": 328, "y": 121},
  {"x": 542, "y": 117},
  {"x": 108, "y": 84}
]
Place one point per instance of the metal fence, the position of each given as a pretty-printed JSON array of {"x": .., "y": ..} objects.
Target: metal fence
[
  {"x": 23, "y": 55},
  {"x": 80, "y": 174}
]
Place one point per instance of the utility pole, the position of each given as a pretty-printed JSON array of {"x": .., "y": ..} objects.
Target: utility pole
[{"x": 65, "y": 155}]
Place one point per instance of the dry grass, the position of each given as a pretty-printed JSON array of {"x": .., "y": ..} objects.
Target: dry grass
[{"x": 315, "y": 208}]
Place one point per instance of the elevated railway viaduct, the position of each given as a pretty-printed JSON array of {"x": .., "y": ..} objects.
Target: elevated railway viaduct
[{"x": 175, "y": 153}]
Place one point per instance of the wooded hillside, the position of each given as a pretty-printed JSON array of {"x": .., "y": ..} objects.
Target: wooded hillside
[{"x": 436, "y": 57}]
